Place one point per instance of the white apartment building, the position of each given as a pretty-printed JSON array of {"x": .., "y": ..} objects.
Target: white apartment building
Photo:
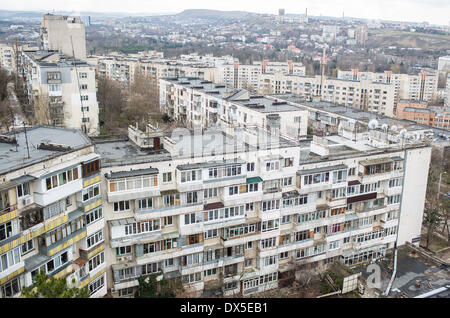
[
  {"x": 64, "y": 34},
  {"x": 7, "y": 57},
  {"x": 248, "y": 76},
  {"x": 422, "y": 86},
  {"x": 202, "y": 104},
  {"x": 61, "y": 90},
  {"x": 235, "y": 222},
  {"x": 447, "y": 91},
  {"x": 361, "y": 94},
  {"x": 50, "y": 210},
  {"x": 444, "y": 64},
  {"x": 123, "y": 68}
]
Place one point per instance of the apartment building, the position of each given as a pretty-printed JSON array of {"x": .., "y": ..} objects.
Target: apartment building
[
  {"x": 447, "y": 91},
  {"x": 64, "y": 34},
  {"x": 361, "y": 34},
  {"x": 325, "y": 118},
  {"x": 63, "y": 91},
  {"x": 235, "y": 222},
  {"x": 247, "y": 76},
  {"x": 202, "y": 104},
  {"x": 362, "y": 94},
  {"x": 421, "y": 112},
  {"x": 444, "y": 64},
  {"x": 123, "y": 68},
  {"x": 50, "y": 210},
  {"x": 422, "y": 86},
  {"x": 7, "y": 60}
]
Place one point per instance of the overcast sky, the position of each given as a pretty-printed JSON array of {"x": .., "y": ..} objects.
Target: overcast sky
[{"x": 432, "y": 11}]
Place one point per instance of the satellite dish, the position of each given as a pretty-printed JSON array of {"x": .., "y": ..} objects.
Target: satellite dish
[
  {"x": 403, "y": 133},
  {"x": 394, "y": 128},
  {"x": 384, "y": 127},
  {"x": 373, "y": 124}
]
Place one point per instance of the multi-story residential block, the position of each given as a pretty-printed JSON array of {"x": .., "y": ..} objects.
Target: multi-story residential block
[
  {"x": 202, "y": 104},
  {"x": 444, "y": 64},
  {"x": 64, "y": 34},
  {"x": 237, "y": 221},
  {"x": 247, "y": 76},
  {"x": 361, "y": 94},
  {"x": 421, "y": 112},
  {"x": 447, "y": 91},
  {"x": 7, "y": 60},
  {"x": 422, "y": 86},
  {"x": 123, "y": 68},
  {"x": 361, "y": 34},
  {"x": 62, "y": 90},
  {"x": 50, "y": 210}
]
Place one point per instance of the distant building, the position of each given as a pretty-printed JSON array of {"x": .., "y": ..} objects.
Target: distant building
[
  {"x": 64, "y": 34},
  {"x": 444, "y": 64},
  {"x": 280, "y": 11},
  {"x": 6, "y": 57},
  {"x": 421, "y": 113},
  {"x": 63, "y": 91},
  {"x": 361, "y": 34}
]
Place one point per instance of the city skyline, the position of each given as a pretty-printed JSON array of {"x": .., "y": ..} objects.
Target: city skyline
[{"x": 433, "y": 11}]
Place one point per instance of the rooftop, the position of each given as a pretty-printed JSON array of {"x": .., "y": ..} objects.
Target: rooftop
[{"x": 10, "y": 159}]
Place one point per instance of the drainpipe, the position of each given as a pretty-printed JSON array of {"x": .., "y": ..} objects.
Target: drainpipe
[{"x": 394, "y": 271}]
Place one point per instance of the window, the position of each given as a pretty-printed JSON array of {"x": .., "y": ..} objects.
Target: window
[
  {"x": 23, "y": 189},
  {"x": 94, "y": 215},
  {"x": 82, "y": 75},
  {"x": 9, "y": 259},
  {"x": 27, "y": 247},
  {"x": 394, "y": 199},
  {"x": 250, "y": 166},
  {"x": 334, "y": 245},
  {"x": 151, "y": 268},
  {"x": 284, "y": 255},
  {"x": 83, "y": 86},
  {"x": 269, "y": 242},
  {"x": 270, "y": 225},
  {"x": 142, "y": 227},
  {"x": 97, "y": 284},
  {"x": 61, "y": 178},
  {"x": 288, "y": 162},
  {"x": 272, "y": 165},
  {"x": 85, "y": 109},
  {"x": 191, "y": 197},
  {"x": 91, "y": 192},
  {"x": 339, "y": 176},
  {"x": 84, "y": 97},
  {"x": 144, "y": 204},
  {"x": 90, "y": 168},
  {"x": 123, "y": 250},
  {"x": 210, "y": 234},
  {"x": 167, "y": 177},
  {"x": 287, "y": 181},
  {"x": 270, "y": 205},
  {"x": 6, "y": 229},
  {"x": 121, "y": 206},
  {"x": 351, "y": 171},
  {"x": 233, "y": 190},
  {"x": 210, "y": 193},
  {"x": 210, "y": 272},
  {"x": 95, "y": 239},
  {"x": 168, "y": 220},
  {"x": 96, "y": 261},
  {"x": 126, "y": 292},
  {"x": 249, "y": 245},
  {"x": 193, "y": 175},
  {"x": 338, "y": 193},
  {"x": 11, "y": 288}
]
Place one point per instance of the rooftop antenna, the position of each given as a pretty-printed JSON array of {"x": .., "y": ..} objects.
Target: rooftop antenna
[{"x": 26, "y": 139}]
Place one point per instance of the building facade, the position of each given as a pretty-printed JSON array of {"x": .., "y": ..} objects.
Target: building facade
[
  {"x": 50, "y": 210},
  {"x": 360, "y": 94},
  {"x": 64, "y": 34},
  {"x": 235, "y": 222},
  {"x": 63, "y": 91}
]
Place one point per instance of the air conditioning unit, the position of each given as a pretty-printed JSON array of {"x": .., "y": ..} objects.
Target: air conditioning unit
[{"x": 27, "y": 201}]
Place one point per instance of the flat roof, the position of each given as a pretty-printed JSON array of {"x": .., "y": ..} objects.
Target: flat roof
[
  {"x": 11, "y": 160},
  {"x": 266, "y": 105}
]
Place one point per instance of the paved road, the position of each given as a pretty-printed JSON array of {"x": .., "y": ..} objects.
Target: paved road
[{"x": 19, "y": 116}]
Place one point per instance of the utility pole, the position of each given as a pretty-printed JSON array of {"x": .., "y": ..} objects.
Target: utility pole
[
  {"x": 26, "y": 139},
  {"x": 322, "y": 79}
]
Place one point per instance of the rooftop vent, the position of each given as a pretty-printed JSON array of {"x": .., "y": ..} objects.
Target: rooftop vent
[
  {"x": 8, "y": 139},
  {"x": 53, "y": 146},
  {"x": 279, "y": 103},
  {"x": 220, "y": 86}
]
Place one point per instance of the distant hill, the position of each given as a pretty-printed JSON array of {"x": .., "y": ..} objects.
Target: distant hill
[{"x": 214, "y": 14}]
